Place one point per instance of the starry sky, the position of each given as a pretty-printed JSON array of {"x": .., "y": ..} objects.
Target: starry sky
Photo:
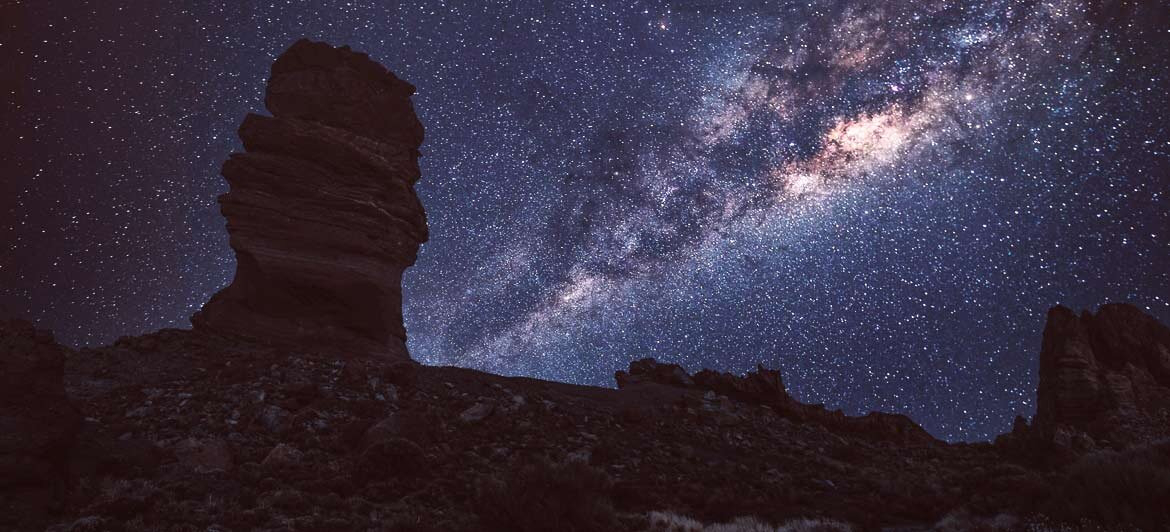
[{"x": 880, "y": 198}]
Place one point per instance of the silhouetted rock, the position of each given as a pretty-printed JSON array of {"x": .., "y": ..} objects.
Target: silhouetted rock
[
  {"x": 322, "y": 212},
  {"x": 763, "y": 386},
  {"x": 766, "y": 387},
  {"x": 650, "y": 370},
  {"x": 38, "y": 425},
  {"x": 1104, "y": 379}
]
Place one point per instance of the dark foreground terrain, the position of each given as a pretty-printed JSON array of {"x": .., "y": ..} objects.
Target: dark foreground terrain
[
  {"x": 184, "y": 431},
  {"x": 294, "y": 405}
]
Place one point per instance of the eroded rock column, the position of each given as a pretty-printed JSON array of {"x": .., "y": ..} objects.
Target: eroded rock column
[{"x": 321, "y": 211}]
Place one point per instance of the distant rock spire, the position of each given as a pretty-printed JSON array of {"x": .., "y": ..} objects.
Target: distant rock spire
[
  {"x": 1104, "y": 384},
  {"x": 1105, "y": 376},
  {"x": 322, "y": 212}
]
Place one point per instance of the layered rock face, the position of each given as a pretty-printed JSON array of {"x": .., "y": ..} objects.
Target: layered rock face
[
  {"x": 322, "y": 212},
  {"x": 38, "y": 425},
  {"x": 1104, "y": 379}
]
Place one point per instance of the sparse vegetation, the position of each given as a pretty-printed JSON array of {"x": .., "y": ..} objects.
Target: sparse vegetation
[
  {"x": 670, "y": 522},
  {"x": 962, "y": 521},
  {"x": 541, "y": 495},
  {"x": 1126, "y": 489}
]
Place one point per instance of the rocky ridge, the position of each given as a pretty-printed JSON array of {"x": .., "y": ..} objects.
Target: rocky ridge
[
  {"x": 765, "y": 387},
  {"x": 188, "y": 431}
]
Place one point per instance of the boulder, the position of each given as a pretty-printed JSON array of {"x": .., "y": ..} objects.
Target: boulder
[{"x": 477, "y": 412}]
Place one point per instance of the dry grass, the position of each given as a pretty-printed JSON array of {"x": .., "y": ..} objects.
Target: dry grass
[
  {"x": 962, "y": 521},
  {"x": 670, "y": 522}
]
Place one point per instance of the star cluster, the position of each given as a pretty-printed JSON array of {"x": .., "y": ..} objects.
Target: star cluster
[{"x": 881, "y": 199}]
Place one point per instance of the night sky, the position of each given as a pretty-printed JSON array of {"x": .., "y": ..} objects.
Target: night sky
[{"x": 880, "y": 198}]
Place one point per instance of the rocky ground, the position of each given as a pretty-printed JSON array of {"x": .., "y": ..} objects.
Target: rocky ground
[{"x": 185, "y": 431}]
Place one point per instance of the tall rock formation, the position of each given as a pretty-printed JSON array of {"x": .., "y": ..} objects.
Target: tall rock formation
[
  {"x": 1104, "y": 381},
  {"x": 322, "y": 212}
]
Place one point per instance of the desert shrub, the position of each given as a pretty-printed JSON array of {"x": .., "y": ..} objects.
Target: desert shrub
[
  {"x": 124, "y": 499},
  {"x": 814, "y": 525},
  {"x": 541, "y": 496},
  {"x": 1041, "y": 524},
  {"x": 671, "y": 522},
  {"x": 1116, "y": 489},
  {"x": 91, "y": 523},
  {"x": 962, "y": 521}
]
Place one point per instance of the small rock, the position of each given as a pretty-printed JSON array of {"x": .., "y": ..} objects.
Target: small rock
[
  {"x": 91, "y": 523},
  {"x": 282, "y": 456},
  {"x": 476, "y": 413}
]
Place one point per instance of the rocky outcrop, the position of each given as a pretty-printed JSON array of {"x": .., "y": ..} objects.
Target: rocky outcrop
[
  {"x": 766, "y": 387},
  {"x": 38, "y": 425},
  {"x": 1104, "y": 380},
  {"x": 761, "y": 386},
  {"x": 650, "y": 370},
  {"x": 322, "y": 212}
]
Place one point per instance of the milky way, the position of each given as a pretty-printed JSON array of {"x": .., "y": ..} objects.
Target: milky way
[{"x": 881, "y": 199}]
